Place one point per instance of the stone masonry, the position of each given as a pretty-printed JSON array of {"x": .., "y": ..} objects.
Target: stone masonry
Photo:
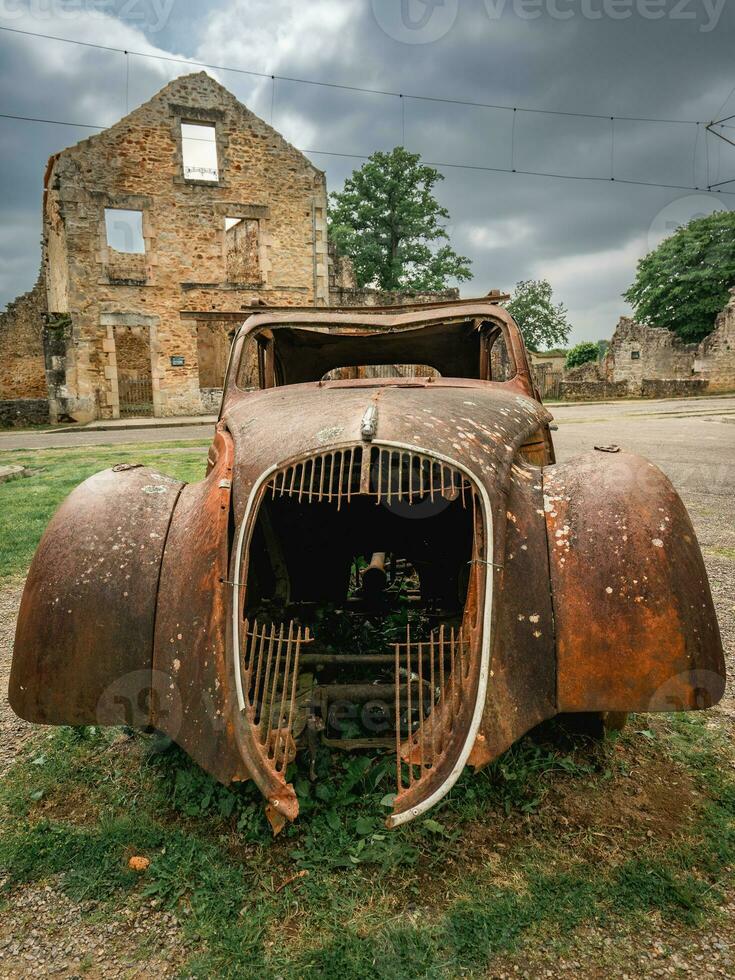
[
  {"x": 652, "y": 362},
  {"x": 638, "y": 352},
  {"x": 246, "y": 229},
  {"x": 160, "y": 235},
  {"x": 22, "y": 372},
  {"x": 345, "y": 293},
  {"x": 714, "y": 360}
]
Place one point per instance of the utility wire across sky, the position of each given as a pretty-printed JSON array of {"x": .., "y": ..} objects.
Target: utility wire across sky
[{"x": 708, "y": 127}]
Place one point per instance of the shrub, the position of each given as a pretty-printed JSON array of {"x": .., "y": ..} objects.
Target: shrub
[{"x": 582, "y": 353}]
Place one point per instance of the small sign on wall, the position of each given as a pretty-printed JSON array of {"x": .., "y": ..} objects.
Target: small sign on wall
[{"x": 177, "y": 360}]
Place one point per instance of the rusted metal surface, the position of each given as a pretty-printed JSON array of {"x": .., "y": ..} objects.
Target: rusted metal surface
[
  {"x": 537, "y": 588},
  {"x": 270, "y": 668},
  {"x": 84, "y": 642},
  {"x": 522, "y": 689},
  {"x": 309, "y": 344},
  {"x": 195, "y": 709},
  {"x": 375, "y": 577},
  {"x": 635, "y": 625}
]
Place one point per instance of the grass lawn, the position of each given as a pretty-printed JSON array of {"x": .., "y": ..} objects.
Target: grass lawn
[
  {"x": 26, "y": 504},
  {"x": 557, "y": 848}
]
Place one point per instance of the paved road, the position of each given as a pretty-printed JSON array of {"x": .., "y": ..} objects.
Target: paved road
[
  {"x": 68, "y": 438},
  {"x": 692, "y": 440}
]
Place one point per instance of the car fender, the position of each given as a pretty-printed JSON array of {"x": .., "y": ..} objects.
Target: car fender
[
  {"x": 194, "y": 601},
  {"x": 635, "y": 624},
  {"x": 83, "y": 649}
]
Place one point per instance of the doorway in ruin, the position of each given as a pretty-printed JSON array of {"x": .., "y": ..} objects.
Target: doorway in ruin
[{"x": 134, "y": 374}]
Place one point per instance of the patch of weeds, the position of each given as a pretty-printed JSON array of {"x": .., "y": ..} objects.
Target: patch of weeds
[
  {"x": 479, "y": 928},
  {"x": 519, "y": 780},
  {"x": 342, "y": 814},
  {"x": 64, "y": 761},
  {"x": 373, "y": 902},
  {"x": 642, "y": 886},
  {"x": 394, "y": 953},
  {"x": 91, "y": 863},
  {"x": 189, "y": 790}
]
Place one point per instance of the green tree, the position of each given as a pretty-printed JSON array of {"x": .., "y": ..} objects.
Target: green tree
[
  {"x": 542, "y": 323},
  {"x": 582, "y": 353},
  {"x": 683, "y": 284},
  {"x": 388, "y": 221}
]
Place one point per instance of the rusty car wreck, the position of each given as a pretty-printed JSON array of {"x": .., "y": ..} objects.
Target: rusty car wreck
[{"x": 384, "y": 553}]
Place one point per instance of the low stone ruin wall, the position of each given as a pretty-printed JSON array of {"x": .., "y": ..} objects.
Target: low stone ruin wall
[
  {"x": 23, "y": 411},
  {"x": 674, "y": 388},
  {"x": 592, "y": 391}
]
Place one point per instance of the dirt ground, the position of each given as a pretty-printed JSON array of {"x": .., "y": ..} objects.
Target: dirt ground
[{"x": 42, "y": 934}]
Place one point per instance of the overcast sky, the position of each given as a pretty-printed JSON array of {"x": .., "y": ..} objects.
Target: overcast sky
[{"x": 669, "y": 59}]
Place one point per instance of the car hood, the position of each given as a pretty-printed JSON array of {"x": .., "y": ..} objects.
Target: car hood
[{"x": 478, "y": 425}]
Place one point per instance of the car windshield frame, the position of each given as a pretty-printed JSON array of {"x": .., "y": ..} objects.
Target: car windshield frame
[{"x": 299, "y": 346}]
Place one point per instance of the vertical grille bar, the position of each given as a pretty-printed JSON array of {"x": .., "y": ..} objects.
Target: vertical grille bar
[
  {"x": 271, "y": 692},
  {"x": 399, "y": 781},
  {"x": 409, "y": 713},
  {"x": 383, "y": 473}
]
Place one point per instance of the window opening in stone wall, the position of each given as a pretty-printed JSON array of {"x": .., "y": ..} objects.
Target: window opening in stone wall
[
  {"x": 124, "y": 230},
  {"x": 242, "y": 246},
  {"x": 199, "y": 152}
]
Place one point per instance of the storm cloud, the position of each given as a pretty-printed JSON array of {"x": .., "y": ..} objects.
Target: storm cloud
[{"x": 650, "y": 59}]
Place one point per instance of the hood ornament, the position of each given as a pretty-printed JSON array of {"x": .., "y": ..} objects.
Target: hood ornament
[{"x": 369, "y": 424}]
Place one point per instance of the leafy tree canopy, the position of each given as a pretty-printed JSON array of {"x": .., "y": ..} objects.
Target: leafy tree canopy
[
  {"x": 683, "y": 284},
  {"x": 542, "y": 323},
  {"x": 582, "y": 353},
  {"x": 388, "y": 221}
]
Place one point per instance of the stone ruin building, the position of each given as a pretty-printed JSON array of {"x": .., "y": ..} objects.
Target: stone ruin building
[
  {"x": 652, "y": 362},
  {"x": 159, "y": 236}
]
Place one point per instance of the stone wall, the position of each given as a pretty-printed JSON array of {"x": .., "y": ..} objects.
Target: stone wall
[
  {"x": 23, "y": 411},
  {"x": 715, "y": 357},
  {"x": 638, "y": 352},
  {"x": 58, "y": 355},
  {"x": 279, "y": 258},
  {"x": 589, "y": 371},
  {"x": 672, "y": 387},
  {"x": 345, "y": 293},
  {"x": 211, "y": 400},
  {"x": 340, "y": 269},
  {"x": 651, "y": 362},
  {"x": 22, "y": 369},
  {"x": 355, "y": 297},
  {"x": 592, "y": 390}
]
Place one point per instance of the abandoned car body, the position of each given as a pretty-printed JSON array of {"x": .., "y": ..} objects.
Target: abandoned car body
[{"x": 378, "y": 556}]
